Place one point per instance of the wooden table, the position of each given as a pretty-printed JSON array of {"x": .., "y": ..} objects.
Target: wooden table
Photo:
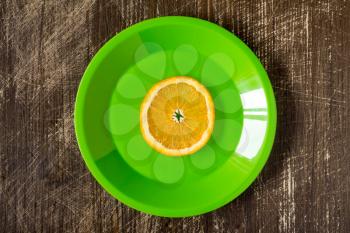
[{"x": 45, "y": 47}]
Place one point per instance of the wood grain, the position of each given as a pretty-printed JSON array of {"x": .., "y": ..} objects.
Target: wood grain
[{"x": 45, "y": 47}]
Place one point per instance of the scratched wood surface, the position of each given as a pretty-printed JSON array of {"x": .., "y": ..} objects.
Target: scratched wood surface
[{"x": 45, "y": 47}]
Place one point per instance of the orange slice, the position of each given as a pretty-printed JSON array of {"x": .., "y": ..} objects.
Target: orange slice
[{"x": 177, "y": 116}]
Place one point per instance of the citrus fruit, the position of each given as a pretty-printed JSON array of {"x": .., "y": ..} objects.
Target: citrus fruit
[{"x": 177, "y": 116}]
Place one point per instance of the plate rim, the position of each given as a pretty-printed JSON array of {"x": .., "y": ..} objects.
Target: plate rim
[{"x": 79, "y": 107}]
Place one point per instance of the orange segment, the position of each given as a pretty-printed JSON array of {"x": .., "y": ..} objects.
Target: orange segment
[{"x": 177, "y": 116}]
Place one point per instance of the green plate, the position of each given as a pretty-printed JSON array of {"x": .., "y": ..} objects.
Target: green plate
[{"x": 108, "y": 105}]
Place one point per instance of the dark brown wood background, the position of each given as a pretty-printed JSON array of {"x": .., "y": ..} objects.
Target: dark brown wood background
[{"x": 45, "y": 46}]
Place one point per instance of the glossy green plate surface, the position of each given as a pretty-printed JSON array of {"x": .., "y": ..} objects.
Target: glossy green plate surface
[{"x": 107, "y": 116}]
